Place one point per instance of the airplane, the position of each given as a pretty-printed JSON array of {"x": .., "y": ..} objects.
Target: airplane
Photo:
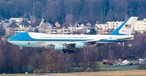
[{"x": 68, "y": 43}]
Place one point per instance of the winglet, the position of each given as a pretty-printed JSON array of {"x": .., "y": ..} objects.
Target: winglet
[{"x": 126, "y": 27}]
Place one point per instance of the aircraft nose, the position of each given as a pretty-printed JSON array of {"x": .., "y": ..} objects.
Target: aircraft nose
[{"x": 10, "y": 39}]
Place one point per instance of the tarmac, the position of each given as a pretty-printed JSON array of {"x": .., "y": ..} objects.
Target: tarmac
[
  {"x": 103, "y": 73},
  {"x": 100, "y": 73}
]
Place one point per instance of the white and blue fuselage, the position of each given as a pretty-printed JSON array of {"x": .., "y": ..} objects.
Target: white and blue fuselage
[{"x": 31, "y": 39}]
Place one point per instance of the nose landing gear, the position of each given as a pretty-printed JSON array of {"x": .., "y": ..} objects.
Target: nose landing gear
[{"x": 69, "y": 51}]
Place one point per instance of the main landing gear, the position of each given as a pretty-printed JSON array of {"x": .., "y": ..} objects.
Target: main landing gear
[
  {"x": 69, "y": 51},
  {"x": 21, "y": 48}
]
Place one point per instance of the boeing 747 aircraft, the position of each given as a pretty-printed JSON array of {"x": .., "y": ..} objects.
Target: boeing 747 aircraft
[{"x": 68, "y": 43}]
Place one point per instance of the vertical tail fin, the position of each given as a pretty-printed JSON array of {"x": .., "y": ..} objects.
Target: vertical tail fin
[{"x": 126, "y": 27}]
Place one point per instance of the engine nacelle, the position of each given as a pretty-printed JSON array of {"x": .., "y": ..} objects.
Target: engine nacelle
[
  {"x": 79, "y": 45},
  {"x": 59, "y": 47},
  {"x": 49, "y": 47}
]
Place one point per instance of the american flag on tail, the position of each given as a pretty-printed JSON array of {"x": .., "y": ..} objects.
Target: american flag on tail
[{"x": 127, "y": 26}]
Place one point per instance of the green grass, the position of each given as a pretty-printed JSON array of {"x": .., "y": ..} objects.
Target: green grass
[
  {"x": 103, "y": 67},
  {"x": 118, "y": 68}
]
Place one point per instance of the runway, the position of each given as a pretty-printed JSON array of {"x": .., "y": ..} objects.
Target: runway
[
  {"x": 108, "y": 73},
  {"x": 101, "y": 73}
]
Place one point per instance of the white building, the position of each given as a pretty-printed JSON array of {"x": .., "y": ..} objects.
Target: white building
[
  {"x": 18, "y": 20},
  {"x": 101, "y": 26},
  {"x": 140, "y": 26},
  {"x": 113, "y": 25},
  {"x": 107, "y": 27}
]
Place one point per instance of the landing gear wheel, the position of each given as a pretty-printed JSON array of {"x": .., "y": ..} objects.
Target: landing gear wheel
[
  {"x": 68, "y": 51},
  {"x": 21, "y": 48},
  {"x": 64, "y": 51}
]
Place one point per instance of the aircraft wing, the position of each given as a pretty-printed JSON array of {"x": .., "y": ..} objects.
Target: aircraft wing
[
  {"x": 85, "y": 42},
  {"x": 42, "y": 44},
  {"x": 88, "y": 42},
  {"x": 92, "y": 41},
  {"x": 45, "y": 44},
  {"x": 130, "y": 38}
]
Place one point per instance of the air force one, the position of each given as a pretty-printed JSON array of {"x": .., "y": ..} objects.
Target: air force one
[{"x": 68, "y": 43}]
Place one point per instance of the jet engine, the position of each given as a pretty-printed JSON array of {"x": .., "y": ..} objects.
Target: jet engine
[
  {"x": 58, "y": 47},
  {"x": 49, "y": 47},
  {"x": 79, "y": 45}
]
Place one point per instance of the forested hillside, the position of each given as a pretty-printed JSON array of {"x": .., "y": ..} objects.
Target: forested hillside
[{"x": 72, "y": 11}]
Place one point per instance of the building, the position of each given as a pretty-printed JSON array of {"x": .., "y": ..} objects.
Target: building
[
  {"x": 12, "y": 28},
  {"x": 140, "y": 26},
  {"x": 44, "y": 27},
  {"x": 18, "y": 20},
  {"x": 15, "y": 25},
  {"x": 113, "y": 25}
]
